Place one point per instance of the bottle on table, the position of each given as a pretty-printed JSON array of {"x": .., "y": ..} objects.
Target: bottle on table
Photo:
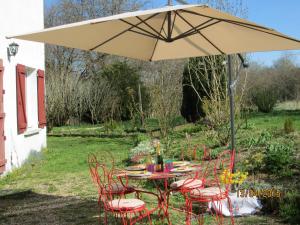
[{"x": 159, "y": 160}]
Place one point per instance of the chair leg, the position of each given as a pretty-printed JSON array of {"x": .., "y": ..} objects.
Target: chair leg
[
  {"x": 124, "y": 219},
  {"x": 99, "y": 208},
  {"x": 230, "y": 210},
  {"x": 218, "y": 209},
  {"x": 201, "y": 216},
  {"x": 105, "y": 217},
  {"x": 149, "y": 218},
  {"x": 189, "y": 210},
  {"x": 201, "y": 219},
  {"x": 215, "y": 213}
]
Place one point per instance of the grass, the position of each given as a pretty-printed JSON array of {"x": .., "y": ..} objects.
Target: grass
[
  {"x": 65, "y": 159},
  {"x": 275, "y": 120},
  {"x": 54, "y": 187}
]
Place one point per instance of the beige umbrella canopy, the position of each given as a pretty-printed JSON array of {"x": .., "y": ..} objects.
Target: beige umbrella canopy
[
  {"x": 167, "y": 33},
  {"x": 171, "y": 32}
]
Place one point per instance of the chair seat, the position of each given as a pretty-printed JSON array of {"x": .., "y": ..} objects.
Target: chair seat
[
  {"x": 210, "y": 192},
  {"x": 127, "y": 205},
  {"x": 187, "y": 183},
  {"x": 118, "y": 188}
]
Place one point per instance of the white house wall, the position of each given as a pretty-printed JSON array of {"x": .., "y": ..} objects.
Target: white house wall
[{"x": 18, "y": 16}]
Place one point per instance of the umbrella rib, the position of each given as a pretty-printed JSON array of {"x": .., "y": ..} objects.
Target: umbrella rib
[
  {"x": 142, "y": 29},
  {"x": 161, "y": 29},
  {"x": 121, "y": 33},
  {"x": 147, "y": 35},
  {"x": 224, "y": 20},
  {"x": 150, "y": 27},
  {"x": 267, "y": 32},
  {"x": 173, "y": 23},
  {"x": 199, "y": 29},
  {"x": 192, "y": 30},
  {"x": 246, "y": 25},
  {"x": 199, "y": 32}
]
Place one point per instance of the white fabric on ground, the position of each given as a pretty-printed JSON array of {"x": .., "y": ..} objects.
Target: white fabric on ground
[{"x": 241, "y": 205}]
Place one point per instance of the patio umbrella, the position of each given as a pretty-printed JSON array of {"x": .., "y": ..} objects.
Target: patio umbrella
[{"x": 170, "y": 32}]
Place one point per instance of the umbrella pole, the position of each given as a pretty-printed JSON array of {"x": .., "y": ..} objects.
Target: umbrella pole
[{"x": 231, "y": 102}]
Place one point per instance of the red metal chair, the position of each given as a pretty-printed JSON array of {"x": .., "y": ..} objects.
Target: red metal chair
[
  {"x": 117, "y": 187},
  {"x": 113, "y": 199},
  {"x": 214, "y": 191},
  {"x": 193, "y": 181}
]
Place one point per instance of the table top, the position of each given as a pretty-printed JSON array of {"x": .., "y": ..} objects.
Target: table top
[{"x": 143, "y": 174}]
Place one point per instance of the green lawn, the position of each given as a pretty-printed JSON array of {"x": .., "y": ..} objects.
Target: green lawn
[
  {"x": 54, "y": 187},
  {"x": 275, "y": 120}
]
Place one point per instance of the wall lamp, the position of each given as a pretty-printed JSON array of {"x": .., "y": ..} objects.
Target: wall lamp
[{"x": 12, "y": 49}]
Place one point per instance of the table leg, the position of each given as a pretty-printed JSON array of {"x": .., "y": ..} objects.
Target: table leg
[{"x": 164, "y": 201}]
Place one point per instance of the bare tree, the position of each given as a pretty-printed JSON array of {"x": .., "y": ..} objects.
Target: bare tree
[
  {"x": 70, "y": 91},
  {"x": 210, "y": 75},
  {"x": 165, "y": 84}
]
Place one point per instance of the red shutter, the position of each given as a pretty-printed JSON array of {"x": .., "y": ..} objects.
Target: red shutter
[
  {"x": 21, "y": 102},
  {"x": 41, "y": 98},
  {"x": 2, "y": 116}
]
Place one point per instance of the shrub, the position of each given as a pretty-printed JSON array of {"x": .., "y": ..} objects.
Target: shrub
[
  {"x": 263, "y": 138},
  {"x": 264, "y": 98},
  {"x": 278, "y": 159},
  {"x": 124, "y": 79},
  {"x": 216, "y": 151},
  {"x": 288, "y": 126},
  {"x": 110, "y": 126},
  {"x": 254, "y": 162},
  {"x": 139, "y": 153},
  {"x": 289, "y": 208}
]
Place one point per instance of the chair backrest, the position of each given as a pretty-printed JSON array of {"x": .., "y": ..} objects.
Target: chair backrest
[
  {"x": 197, "y": 153},
  {"x": 201, "y": 156},
  {"x": 213, "y": 168},
  {"x": 106, "y": 180}
]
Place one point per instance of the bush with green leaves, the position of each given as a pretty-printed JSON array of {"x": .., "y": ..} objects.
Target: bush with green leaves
[
  {"x": 254, "y": 162},
  {"x": 139, "y": 153},
  {"x": 288, "y": 126},
  {"x": 261, "y": 140},
  {"x": 289, "y": 208},
  {"x": 125, "y": 79},
  {"x": 278, "y": 159},
  {"x": 264, "y": 98}
]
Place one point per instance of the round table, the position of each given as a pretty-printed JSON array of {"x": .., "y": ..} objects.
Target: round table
[{"x": 163, "y": 194}]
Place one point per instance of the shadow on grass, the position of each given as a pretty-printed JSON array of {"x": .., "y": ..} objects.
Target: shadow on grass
[
  {"x": 27, "y": 207},
  {"x": 30, "y": 208}
]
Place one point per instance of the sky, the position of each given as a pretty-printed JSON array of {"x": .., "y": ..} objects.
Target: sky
[{"x": 282, "y": 16}]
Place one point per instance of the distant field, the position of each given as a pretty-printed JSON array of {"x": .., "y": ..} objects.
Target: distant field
[
  {"x": 288, "y": 105},
  {"x": 275, "y": 120}
]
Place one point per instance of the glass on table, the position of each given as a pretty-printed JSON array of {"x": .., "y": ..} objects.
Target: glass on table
[
  {"x": 168, "y": 165},
  {"x": 150, "y": 167}
]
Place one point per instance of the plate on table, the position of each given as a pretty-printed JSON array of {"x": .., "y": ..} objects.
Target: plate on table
[
  {"x": 136, "y": 167},
  {"x": 182, "y": 170},
  {"x": 180, "y": 163},
  {"x": 138, "y": 174}
]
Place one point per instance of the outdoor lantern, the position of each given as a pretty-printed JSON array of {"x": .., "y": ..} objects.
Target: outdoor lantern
[{"x": 12, "y": 49}]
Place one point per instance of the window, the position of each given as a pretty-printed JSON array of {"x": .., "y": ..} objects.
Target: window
[
  {"x": 30, "y": 86},
  {"x": 31, "y": 99}
]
